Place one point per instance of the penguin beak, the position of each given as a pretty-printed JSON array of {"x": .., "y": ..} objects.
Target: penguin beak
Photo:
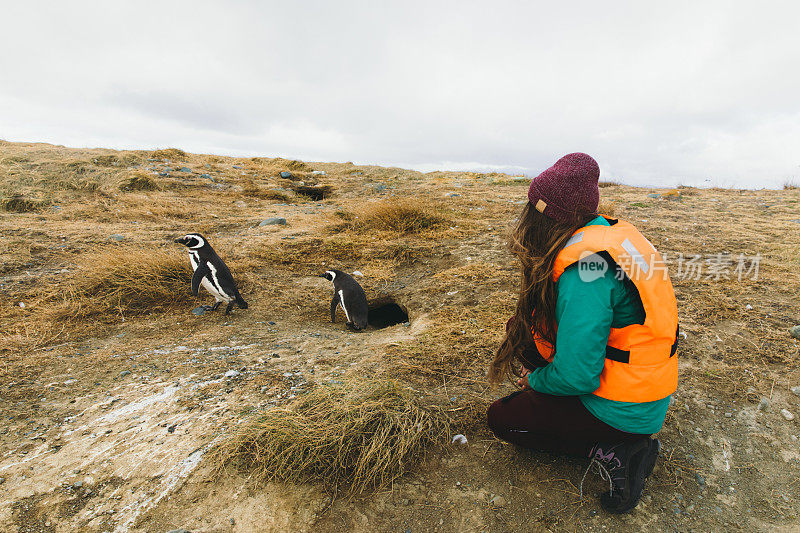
[{"x": 179, "y": 240}]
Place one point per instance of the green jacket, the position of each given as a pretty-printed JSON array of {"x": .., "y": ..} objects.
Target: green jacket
[{"x": 585, "y": 313}]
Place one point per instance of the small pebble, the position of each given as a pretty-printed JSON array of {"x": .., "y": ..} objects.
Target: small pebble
[
  {"x": 763, "y": 404},
  {"x": 459, "y": 439},
  {"x": 124, "y": 373},
  {"x": 497, "y": 502},
  {"x": 701, "y": 482},
  {"x": 232, "y": 373},
  {"x": 199, "y": 311},
  {"x": 795, "y": 332},
  {"x": 795, "y": 390},
  {"x": 787, "y": 414}
]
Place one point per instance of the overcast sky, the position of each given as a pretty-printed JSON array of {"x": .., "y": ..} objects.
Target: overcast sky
[{"x": 660, "y": 93}]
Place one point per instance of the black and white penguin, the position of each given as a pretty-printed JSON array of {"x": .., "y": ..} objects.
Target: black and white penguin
[
  {"x": 211, "y": 272},
  {"x": 349, "y": 294}
]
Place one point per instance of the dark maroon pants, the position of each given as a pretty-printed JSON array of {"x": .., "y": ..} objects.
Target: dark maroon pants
[{"x": 560, "y": 424}]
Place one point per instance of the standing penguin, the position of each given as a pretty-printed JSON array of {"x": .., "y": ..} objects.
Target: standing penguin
[
  {"x": 349, "y": 294},
  {"x": 211, "y": 272}
]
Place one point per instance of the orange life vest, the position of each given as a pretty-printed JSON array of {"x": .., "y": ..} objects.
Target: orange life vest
[{"x": 641, "y": 363}]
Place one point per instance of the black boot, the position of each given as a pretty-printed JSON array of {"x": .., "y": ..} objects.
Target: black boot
[{"x": 626, "y": 467}]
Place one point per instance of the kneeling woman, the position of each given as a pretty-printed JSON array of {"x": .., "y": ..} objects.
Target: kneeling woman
[{"x": 594, "y": 336}]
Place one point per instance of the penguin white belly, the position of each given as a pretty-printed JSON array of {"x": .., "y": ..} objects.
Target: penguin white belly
[{"x": 215, "y": 288}]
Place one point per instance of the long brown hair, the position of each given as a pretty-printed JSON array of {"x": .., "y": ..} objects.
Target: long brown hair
[{"x": 535, "y": 241}]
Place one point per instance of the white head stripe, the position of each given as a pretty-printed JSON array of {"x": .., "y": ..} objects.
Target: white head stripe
[
  {"x": 575, "y": 239},
  {"x": 636, "y": 255},
  {"x": 332, "y": 273},
  {"x": 200, "y": 241}
]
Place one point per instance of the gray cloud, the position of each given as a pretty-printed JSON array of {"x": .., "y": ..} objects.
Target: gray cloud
[{"x": 661, "y": 94}]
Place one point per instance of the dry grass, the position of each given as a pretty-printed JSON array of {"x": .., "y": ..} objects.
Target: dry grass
[
  {"x": 120, "y": 280},
  {"x": 21, "y": 204},
  {"x": 253, "y": 190},
  {"x": 168, "y": 153},
  {"x": 128, "y": 280},
  {"x": 401, "y": 215},
  {"x": 139, "y": 181},
  {"x": 358, "y": 435},
  {"x": 603, "y": 184}
]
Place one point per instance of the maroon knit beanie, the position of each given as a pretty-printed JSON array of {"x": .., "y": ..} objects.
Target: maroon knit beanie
[{"x": 568, "y": 190}]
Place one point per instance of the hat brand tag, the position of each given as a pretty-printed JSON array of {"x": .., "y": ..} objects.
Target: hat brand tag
[{"x": 541, "y": 205}]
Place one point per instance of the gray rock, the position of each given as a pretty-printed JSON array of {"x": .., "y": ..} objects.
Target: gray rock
[
  {"x": 238, "y": 166},
  {"x": 181, "y": 530},
  {"x": 654, "y": 195},
  {"x": 276, "y": 221},
  {"x": 239, "y": 203},
  {"x": 379, "y": 187},
  {"x": 206, "y": 176},
  {"x": 232, "y": 373},
  {"x": 286, "y": 174},
  {"x": 124, "y": 373},
  {"x": 319, "y": 173},
  {"x": 795, "y": 390},
  {"x": 701, "y": 482},
  {"x": 77, "y": 485},
  {"x": 498, "y": 502},
  {"x": 787, "y": 414},
  {"x": 186, "y": 169},
  {"x": 116, "y": 237},
  {"x": 795, "y": 332},
  {"x": 763, "y": 404},
  {"x": 199, "y": 311}
]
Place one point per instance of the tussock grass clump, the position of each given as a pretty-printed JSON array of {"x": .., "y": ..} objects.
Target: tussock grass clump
[
  {"x": 252, "y": 190},
  {"x": 361, "y": 434},
  {"x": 139, "y": 181},
  {"x": 21, "y": 204},
  {"x": 607, "y": 208},
  {"x": 168, "y": 153},
  {"x": 127, "y": 279},
  {"x": 608, "y": 184},
  {"x": 403, "y": 215}
]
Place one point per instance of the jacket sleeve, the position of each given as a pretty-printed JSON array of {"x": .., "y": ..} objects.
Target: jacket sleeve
[{"x": 584, "y": 313}]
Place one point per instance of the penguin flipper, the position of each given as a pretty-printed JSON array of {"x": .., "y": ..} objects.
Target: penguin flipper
[
  {"x": 201, "y": 272},
  {"x": 334, "y": 302}
]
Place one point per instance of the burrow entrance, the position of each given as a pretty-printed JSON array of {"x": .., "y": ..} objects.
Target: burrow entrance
[{"x": 385, "y": 312}]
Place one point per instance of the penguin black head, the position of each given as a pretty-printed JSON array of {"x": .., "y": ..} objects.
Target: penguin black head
[
  {"x": 193, "y": 241},
  {"x": 330, "y": 275}
]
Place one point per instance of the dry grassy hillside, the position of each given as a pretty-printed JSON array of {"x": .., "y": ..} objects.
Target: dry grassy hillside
[{"x": 124, "y": 410}]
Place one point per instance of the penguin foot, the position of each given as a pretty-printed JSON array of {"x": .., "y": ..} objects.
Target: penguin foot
[
  {"x": 215, "y": 306},
  {"x": 208, "y": 307}
]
